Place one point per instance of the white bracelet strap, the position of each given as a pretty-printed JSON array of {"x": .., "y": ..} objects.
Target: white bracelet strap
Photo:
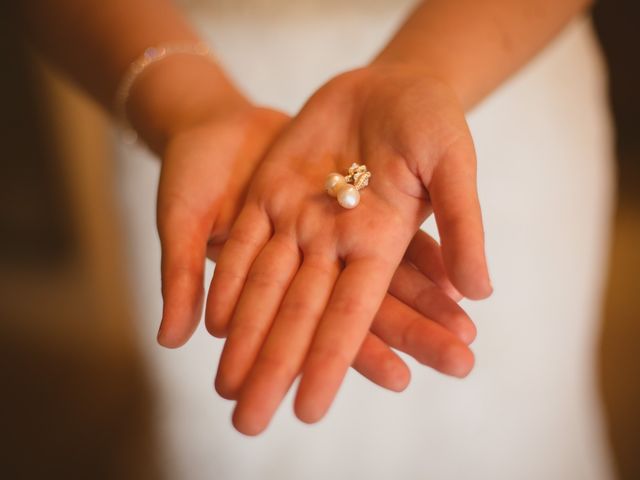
[{"x": 151, "y": 55}]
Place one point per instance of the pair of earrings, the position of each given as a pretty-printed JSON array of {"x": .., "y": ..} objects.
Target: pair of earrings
[{"x": 347, "y": 188}]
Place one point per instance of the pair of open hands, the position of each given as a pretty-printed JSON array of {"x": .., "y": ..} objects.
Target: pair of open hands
[{"x": 301, "y": 285}]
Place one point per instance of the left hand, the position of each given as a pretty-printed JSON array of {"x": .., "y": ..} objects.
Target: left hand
[
  {"x": 210, "y": 144},
  {"x": 316, "y": 274}
]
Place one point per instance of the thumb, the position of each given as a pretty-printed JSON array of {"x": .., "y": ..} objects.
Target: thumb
[
  {"x": 183, "y": 238},
  {"x": 454, "y": 197}
]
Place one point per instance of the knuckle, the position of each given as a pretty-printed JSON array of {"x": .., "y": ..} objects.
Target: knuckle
[
  {"x": 278, "y": 365},
  {"x": 227, "y": 275},
  {"x": 422, "y": 296},
  {"x": 288, "y": 243},
  {"x": 172, "y": 211},
  {"x": 409, "y": 335},
  {"x": 294, "y": 307},
  {"x": 247, "y": 331},
  {"x": 320, "y": 264},
  {"x": 262, "y": 279},
  {"x": 180, "y": 270},
  {"x": 350, "y": 307},
  {"x": 331, "y": 355},
  {"x": 242, "y": 238}
]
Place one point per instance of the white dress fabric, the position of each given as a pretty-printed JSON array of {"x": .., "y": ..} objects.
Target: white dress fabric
[{"x": 530, "y": 409}]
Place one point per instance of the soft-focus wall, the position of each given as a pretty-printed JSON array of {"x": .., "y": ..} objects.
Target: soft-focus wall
[
  {"x": 617, "y": 24},
  {"x": 74, "y": 396}
]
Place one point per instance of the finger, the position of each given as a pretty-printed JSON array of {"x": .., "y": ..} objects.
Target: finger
[
  {"x": 457, "y": 211},
  {"x": 266, "y": 285},
  {"x": 377, "y": 362},
  {"x": 425, "y": 253},
  {"x": 283, "y": 353},
  {"x": 421, "y": 294},
  {"x": 428, "y": 342},
  {"x": 246, "y": 239},
  {"x": 345, "y": 322},
  {"x": 183, "y": 237}
]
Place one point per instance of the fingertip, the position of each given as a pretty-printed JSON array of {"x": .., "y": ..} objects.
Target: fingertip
[
  {"x": 464, "y": 328},
  {"x": 469, "y": 334},
  {"x": 217, "y": 316},
  {"x": 222, "y": 334},
  {"x": 465, "y": 259},
  {"x": 170, "y": 343},
  {"x": 484, "y": 287},
  {"x": 457, "y": 360},
  {"x": 308, "y": 409},
  {"x": 479, "y": 292},
  {"x": 225, "y": 389},
  {"x": 165, "y": 340},
  {"x": 181, "y": 309},
  {"x": 470, "y": 278},
  {"x": 401, "y": 380},
  {"x": 378, "y": 363},
  {"x": 395, "y": 374},
  {"x": 308, "y": 413},
  {"x": 229, "y": 380},
  {"x": 452, "y": 292},
  {"x": 216, "y": 328},
  {"x": 170, "y": 336},
  {"x": 246, "y": 423}
]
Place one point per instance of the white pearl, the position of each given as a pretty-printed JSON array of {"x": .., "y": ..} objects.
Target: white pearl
[
  {"x": 348, "y": 196},
  {"x": 333, "y": 183}
]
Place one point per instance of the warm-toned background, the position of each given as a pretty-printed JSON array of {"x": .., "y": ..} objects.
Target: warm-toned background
[
  {"x": 617, "y": 22},
  {"x": 76, "y": 401}
]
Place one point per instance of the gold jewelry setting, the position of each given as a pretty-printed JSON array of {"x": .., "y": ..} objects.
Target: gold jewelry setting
[{"x": 347, "y": 188}]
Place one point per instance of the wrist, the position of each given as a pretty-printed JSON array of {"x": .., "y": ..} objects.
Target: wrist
[
  {"x": 424, "y": 70},
  {"x": 177, "y": 93}
]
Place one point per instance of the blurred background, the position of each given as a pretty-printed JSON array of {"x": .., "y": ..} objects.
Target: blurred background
[{"x": 75, "y": 390}]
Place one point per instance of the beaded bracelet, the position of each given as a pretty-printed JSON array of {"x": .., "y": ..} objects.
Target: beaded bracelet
[{"x": 151, "y": 55}]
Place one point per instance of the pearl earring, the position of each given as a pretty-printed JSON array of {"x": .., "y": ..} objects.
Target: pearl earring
[{"x": 347, "y": 189}]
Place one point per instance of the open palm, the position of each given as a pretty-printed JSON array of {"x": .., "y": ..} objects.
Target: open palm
[
  {"x": 206, "y": 169},
  {"x": 304, "y": 277}
]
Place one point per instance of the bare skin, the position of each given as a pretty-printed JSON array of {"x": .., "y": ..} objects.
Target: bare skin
[
  {"x": 409, "y": 128},
  {"x": 300, "y": 274},
  {"x": 210, "y": 138}
]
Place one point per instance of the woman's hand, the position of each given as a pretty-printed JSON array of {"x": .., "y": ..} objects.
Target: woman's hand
[
  {"x": 303, "y": 277},
  {"x": 205, "y": 172},
  {"x": 210, "y": 139},
  {"x": 420, "y": 317},
  {"x": 210, "y": 145}
]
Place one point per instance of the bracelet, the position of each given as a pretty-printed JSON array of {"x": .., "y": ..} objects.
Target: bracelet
[{"x": 150, "y": 56}]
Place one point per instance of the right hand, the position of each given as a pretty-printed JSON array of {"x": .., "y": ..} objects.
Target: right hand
[
  {"x": 300, "y": 280},
  {"x": 208, "y": 157}
]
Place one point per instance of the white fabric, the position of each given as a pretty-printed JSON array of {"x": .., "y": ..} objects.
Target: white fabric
[{"x": 530, "y": 409}]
